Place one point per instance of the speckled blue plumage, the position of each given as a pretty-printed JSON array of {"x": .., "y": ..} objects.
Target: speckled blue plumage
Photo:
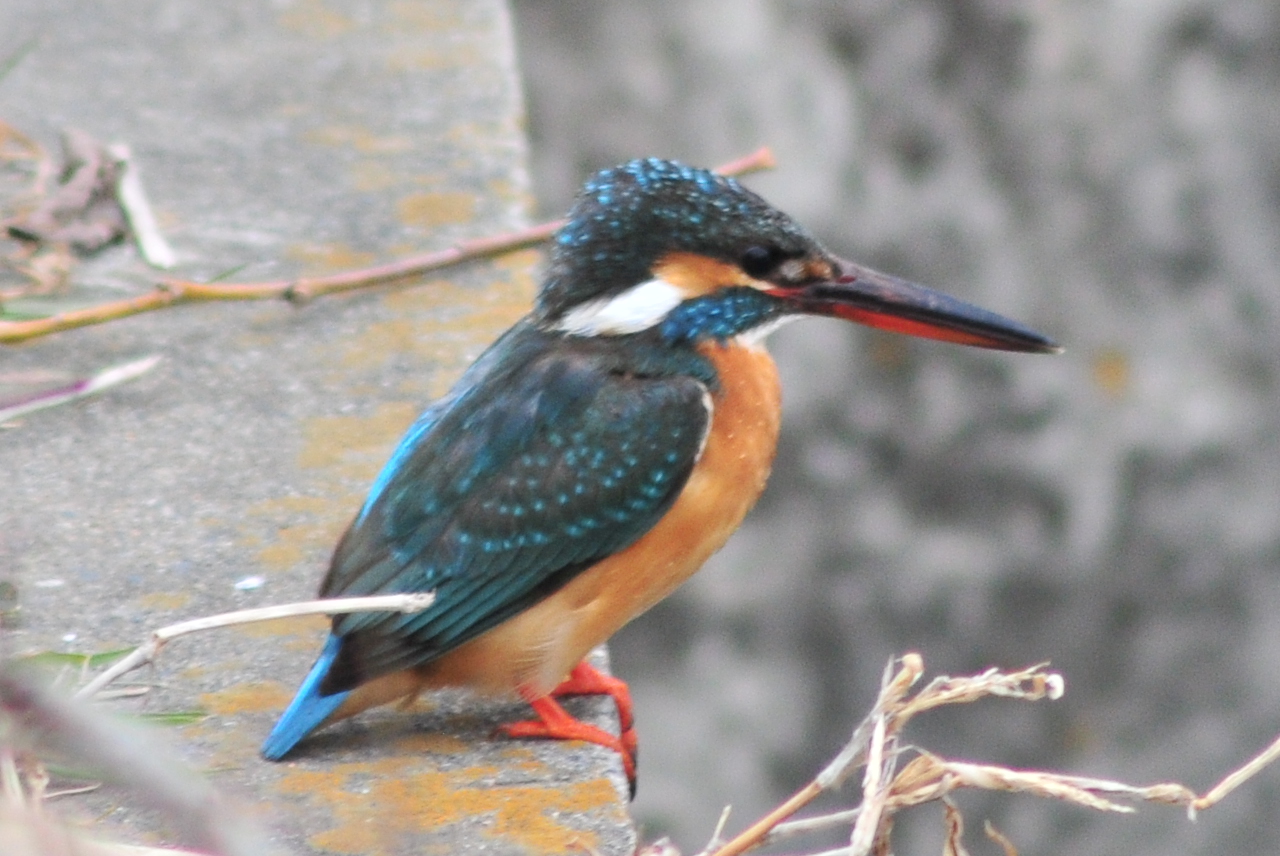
[
  {"x": 721, "y": 316},
  {"x": 627, "y": 217},
  {"x": 551, "y": 454}
]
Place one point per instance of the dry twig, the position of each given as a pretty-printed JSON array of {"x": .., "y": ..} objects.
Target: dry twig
[
  {"x": 133, "y": 202},
  {"x": 147, "y": 652},
  {"x": 171, "y": 292},
  {"x": 82, "y": 212},
  {"x": 876, "y": 747},
  {"x": 20, "y": 405},
  {"x": 125, "y": 754},
  {"x": 97, "y": 200},
  {"x": 21, "y": 155}
]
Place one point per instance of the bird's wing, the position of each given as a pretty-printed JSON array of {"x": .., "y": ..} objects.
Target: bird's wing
[{"x": 541, "y": 465}]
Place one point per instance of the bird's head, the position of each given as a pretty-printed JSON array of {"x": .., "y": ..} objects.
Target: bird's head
[{"x": 657, "y": 245}]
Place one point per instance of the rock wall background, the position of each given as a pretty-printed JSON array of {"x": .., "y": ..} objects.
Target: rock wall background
[{"x": 1107, "y": 171}]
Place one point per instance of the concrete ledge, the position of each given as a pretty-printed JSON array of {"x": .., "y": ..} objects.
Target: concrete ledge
[{"x": 280, "y": 139}]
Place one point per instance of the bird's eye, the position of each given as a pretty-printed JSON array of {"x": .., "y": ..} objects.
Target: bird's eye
[{"x": 758, "y": 261}]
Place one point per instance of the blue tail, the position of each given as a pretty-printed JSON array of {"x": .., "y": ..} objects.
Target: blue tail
[{"x": 308, "y": 708}]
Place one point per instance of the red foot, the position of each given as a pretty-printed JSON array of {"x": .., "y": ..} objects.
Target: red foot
[
  {"x": 555, "y": 723},
  {"x": 585, "y": 679}
]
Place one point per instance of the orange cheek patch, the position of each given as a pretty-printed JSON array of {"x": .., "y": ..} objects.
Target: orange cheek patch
[{"x": 697, "y": 275}]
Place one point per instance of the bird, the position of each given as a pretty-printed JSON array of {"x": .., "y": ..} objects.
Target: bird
[{"x": 597, "y": 453}]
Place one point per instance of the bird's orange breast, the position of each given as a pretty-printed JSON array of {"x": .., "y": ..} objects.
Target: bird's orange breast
[
  {"x": 535, "y": 650},
  {"x": 538, "y": 647}
]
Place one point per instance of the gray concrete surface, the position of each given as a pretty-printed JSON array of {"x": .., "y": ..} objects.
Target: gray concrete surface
[{"x": 277, "y": 139}]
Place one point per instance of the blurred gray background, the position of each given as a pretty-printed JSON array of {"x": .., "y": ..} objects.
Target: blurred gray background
[{"x": 1106, "y": 171}]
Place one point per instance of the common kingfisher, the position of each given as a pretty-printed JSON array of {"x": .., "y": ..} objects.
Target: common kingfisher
[{"x": 597, "y": 453}]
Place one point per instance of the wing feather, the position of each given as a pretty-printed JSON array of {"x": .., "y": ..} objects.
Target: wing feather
[{"x": 539, "y": 465}]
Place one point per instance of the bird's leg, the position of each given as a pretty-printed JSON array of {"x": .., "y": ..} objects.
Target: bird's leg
[
  {"x": 556, "y": 723},
  {"x": 586, "y": 679}
]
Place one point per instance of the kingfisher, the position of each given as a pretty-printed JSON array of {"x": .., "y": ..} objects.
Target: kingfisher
[{"x": 596, "y": 454}]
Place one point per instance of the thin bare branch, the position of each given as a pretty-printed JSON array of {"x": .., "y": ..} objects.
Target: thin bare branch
[
  {"x": 10, "y": 783},
  {"x": 147, "y": 652},
  {"x": 1000, "y": 838},
  {"x": 717, "y": 835},
  {"x": 954, "y": 843},
  {"x": 172, "y": 292},
  {"x": 72, "y": 792},
  {"x": 892, "y": 691},
  {"x": 133, "y": 201},
  {"x": 812, "y": 824},
  {"x": 848, "y": 759},
  {"x": 875, "y": 796},
  {"x": 104, "y": 379},
  {"x": 1236, "y": 779}
]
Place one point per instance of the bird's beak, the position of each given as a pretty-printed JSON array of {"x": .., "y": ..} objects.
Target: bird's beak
[{"x": 860, "y": 294}]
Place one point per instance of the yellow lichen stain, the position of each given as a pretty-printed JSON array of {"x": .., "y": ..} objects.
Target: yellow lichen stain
[
  {"x": 281, "y": 554},
  {"x": 309, "y": 505},
  {"x": 518, "y": 756},
  {"x": 431, "y": 319},
  {"x": 390, "y": 805},
  {"x": 487, "y": 311},
  {"x": 449, "y": 56},
  {"x": 382, "y": 339},
  {"x": 489, "y": 320},
  {"x": 313, "y": 19},
  {"x": 425, "y": 16},
  {"x": 295, "y": 545},
  {"x": 431, "y": 210},
  {"x": 448, "y": 325},
  {"x": 310, "y": 628},
  {"x": 324, "y": 258},
  {"x": 434, "y": 389},
  {"x": 432, "y": 298},
  {"x": 463, "y": 134},
  {"x": 360, "y": 139},
  {"x": 310, "y": 644},
  {"x": 248, "y": 697},
  {"x": 1111, "y": 372},
  {"x": 300, "y": 542},
  {"x": 403, "y": 249},
  {"x": 508, "y": 191},
  {"x": 355, "y": 446},
  {"x": 430, "y": 744},
  {"x": 520, "y": 268},
  {"x": 370, "y": 176},
  {"x": 163, "y": 600}
]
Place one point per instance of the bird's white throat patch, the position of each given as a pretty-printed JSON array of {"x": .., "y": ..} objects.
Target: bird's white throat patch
[{"x": 638, "y": 308}]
